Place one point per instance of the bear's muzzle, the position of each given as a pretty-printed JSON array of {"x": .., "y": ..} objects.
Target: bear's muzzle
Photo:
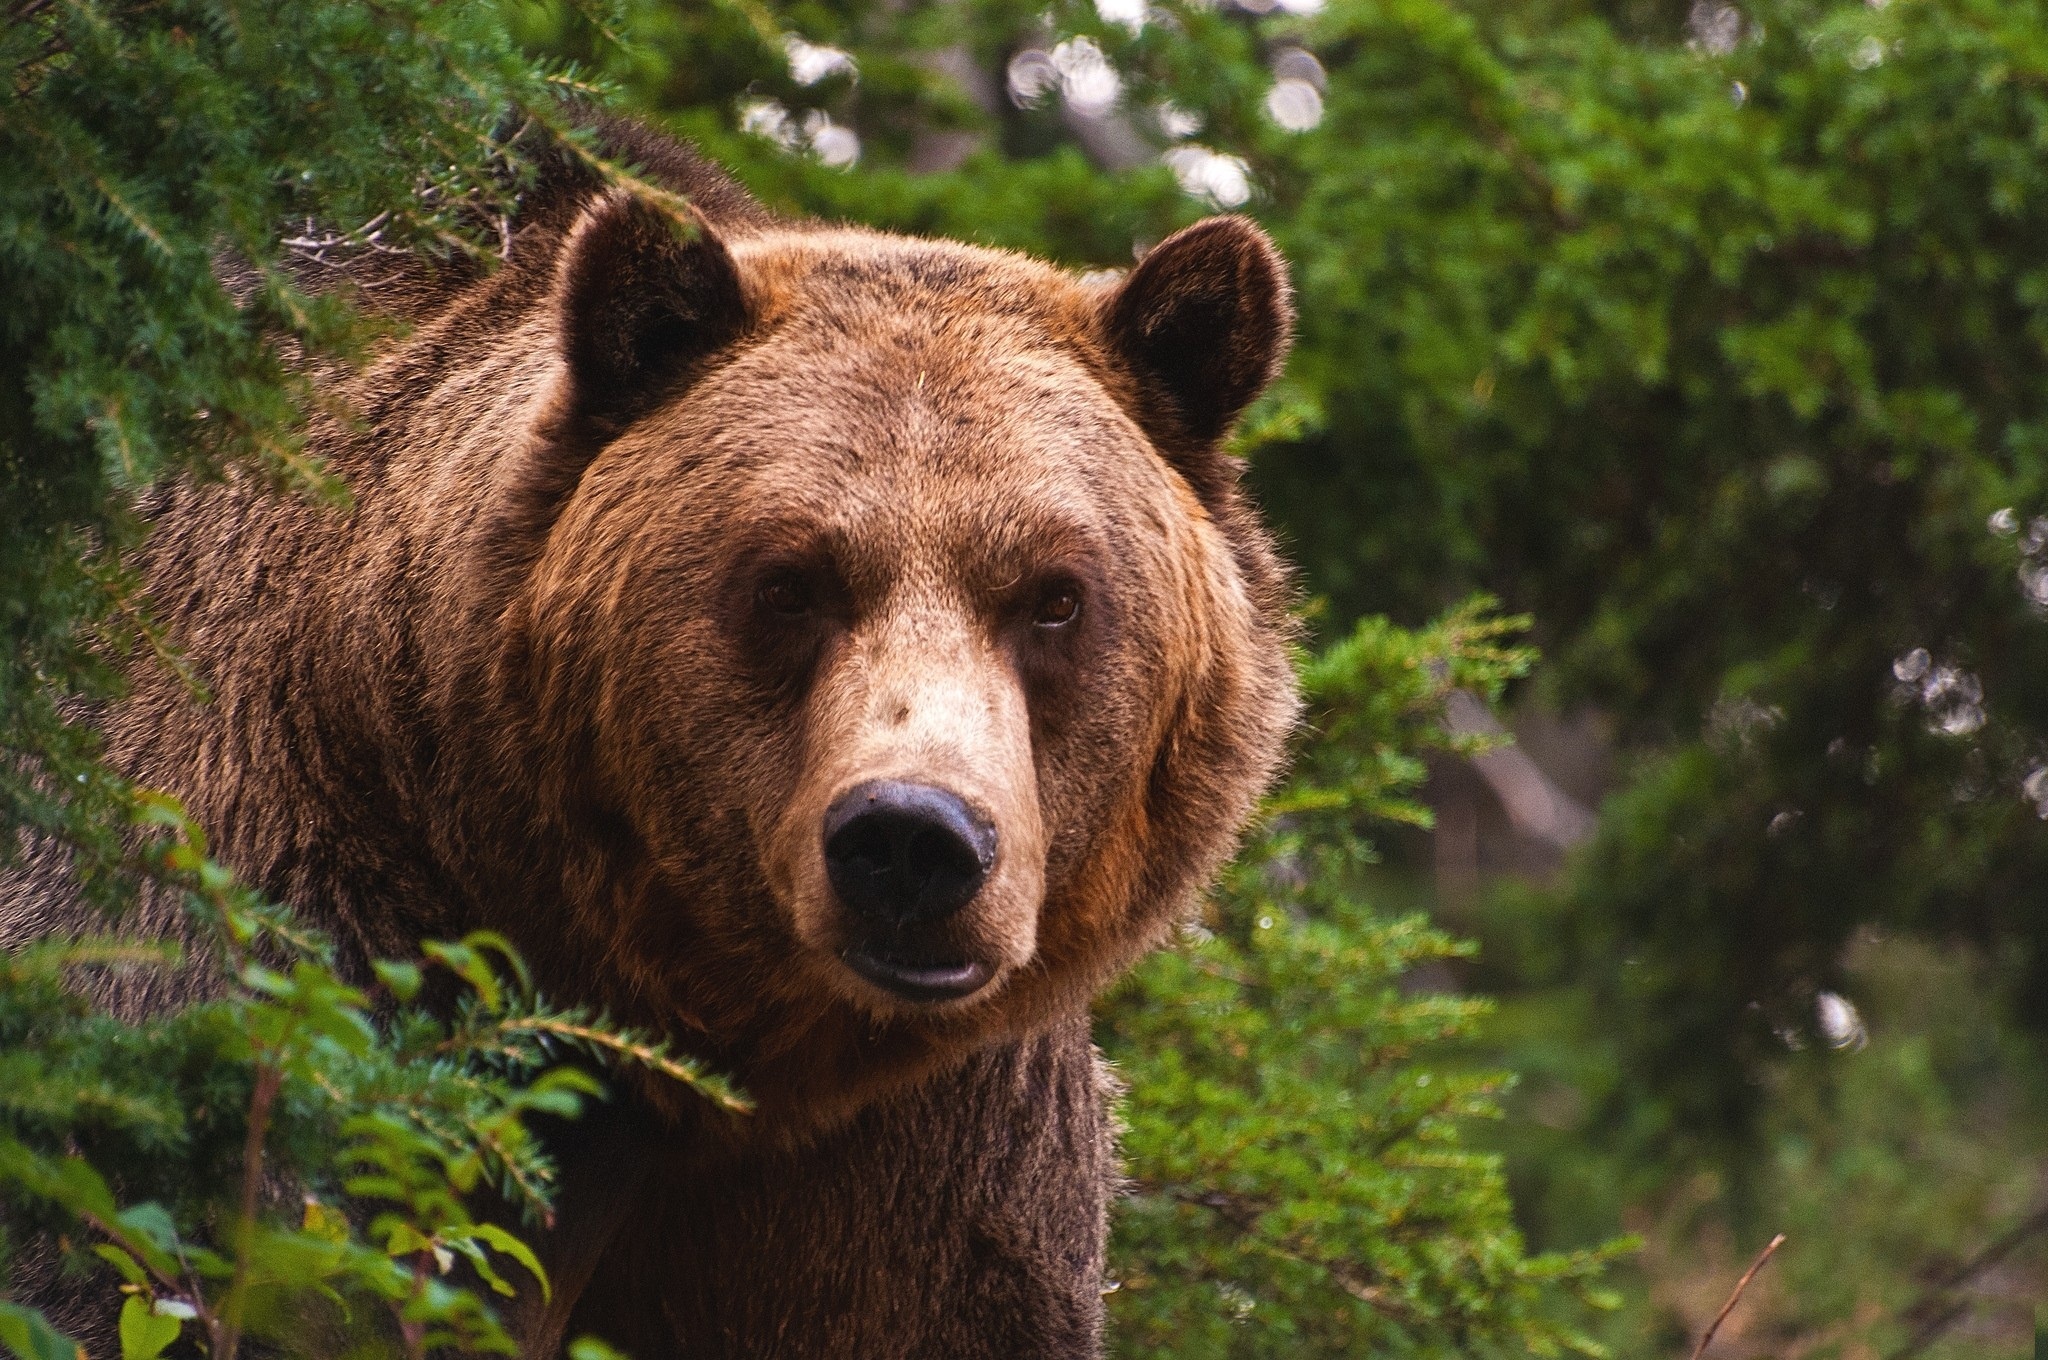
[{"x": 903, "y": 858}]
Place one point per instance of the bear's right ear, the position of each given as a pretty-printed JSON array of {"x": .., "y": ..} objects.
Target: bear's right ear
[{"x": 643, "y": 293}]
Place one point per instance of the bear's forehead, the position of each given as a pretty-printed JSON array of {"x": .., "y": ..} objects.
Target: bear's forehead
[
  {"x": 926, "y": 393},
  {"x": 847, "y": 278},
  {"x": 989, "y": 437},
  {"x": 932, "y": 416},
  {"x": 884, "y": 355}
]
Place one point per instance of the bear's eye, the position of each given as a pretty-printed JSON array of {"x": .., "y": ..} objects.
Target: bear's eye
[
  {"x": 786, "y": 595},
  {"x": 1060, "y": 607}
]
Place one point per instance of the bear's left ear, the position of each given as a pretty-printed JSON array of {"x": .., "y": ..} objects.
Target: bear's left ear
[
  {"x": 642, "y": 294},
  {"x": 1204, "y": 323}
]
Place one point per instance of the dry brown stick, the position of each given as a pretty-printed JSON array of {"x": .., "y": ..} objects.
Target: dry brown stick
[{"x": 1736, "y": 1297}]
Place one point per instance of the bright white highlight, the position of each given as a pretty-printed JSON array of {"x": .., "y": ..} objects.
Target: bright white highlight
[
  {"x": 1222, "y": 181},
  {"x": 1129, "y": 14},
  {"x": 1294, "y": 104},
  {"x": 811, "y": 62},
  {"x": 1076, "y": 68},
  {"x": 832, "y": 144}
]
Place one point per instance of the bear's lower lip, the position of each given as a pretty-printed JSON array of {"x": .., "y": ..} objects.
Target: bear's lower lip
[{"x": 918, "y": 981}]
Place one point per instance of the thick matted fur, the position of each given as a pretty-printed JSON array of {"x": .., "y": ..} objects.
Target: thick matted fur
[{"x": 667, "y": 534}]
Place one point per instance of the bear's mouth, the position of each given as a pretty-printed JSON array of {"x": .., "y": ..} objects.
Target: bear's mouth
[{"x": 926, "y": 982}]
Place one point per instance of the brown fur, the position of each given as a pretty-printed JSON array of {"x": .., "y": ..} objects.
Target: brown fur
[{"x": 530, "y": 683}]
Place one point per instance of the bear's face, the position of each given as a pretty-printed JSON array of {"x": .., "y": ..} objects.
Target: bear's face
[{"x": 921, "y": 682}]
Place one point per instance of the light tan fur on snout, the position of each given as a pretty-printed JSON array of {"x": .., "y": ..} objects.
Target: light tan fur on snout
[{"x": 919, "y": 696}]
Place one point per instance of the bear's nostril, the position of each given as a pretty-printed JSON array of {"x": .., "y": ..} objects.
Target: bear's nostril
[
  {"x": 902, "y": 854},
  {"x": 865, "y": 848}
]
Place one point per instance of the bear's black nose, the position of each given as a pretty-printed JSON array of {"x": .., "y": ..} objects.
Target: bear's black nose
[{"x": 905, "y": 855}]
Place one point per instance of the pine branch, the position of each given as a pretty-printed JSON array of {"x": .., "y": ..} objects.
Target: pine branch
[{"x": 653, "y": 1056}]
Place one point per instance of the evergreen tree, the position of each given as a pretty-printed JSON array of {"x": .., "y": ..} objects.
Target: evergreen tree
[{"x": 144, "y": 145}]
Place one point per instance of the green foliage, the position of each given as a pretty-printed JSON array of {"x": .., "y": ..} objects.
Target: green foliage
[
  {"x": 1715, "y": 363},
  {"x": 151, "y": 1153},
  {"x": 1299, "y": 1185},
  {"x": 1896, "y": 1164},
  {"x": 144, "y": 145},
  {"x": 29, "y": 1335}
]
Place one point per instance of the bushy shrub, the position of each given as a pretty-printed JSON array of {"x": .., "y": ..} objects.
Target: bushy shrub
[
  {"x": 1299, "y": 1181},
  {"x": 291, "y": 1158}
]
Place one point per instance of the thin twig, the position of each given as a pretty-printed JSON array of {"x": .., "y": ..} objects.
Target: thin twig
[
  {"x": 269, "y": 1079},
  {"x": 1939, "y": 1313},
  {"x": 1736, "y": 1297}
]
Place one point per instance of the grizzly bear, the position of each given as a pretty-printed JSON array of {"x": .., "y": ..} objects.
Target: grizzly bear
[{"x": 837, "y": 651}]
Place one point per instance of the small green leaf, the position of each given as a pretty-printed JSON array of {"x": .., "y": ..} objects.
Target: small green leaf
[
  {"x": 480, "y": 1261},
  {"x": 31, "y": 1337},
  {"x": 404, "y": 1240},
  {"x": 491, "y": 942},
  {"x": 80, "y": 1188},
  {"x": 131, "y": 1270},
  {"x": 268, "y": 981},
  {"x": 153, "y": 1221},
  {"x": 323, "y": 1222},
  {"x": 517, "y": 1250},
  {"x": 590, "y": 1348},
  {"x": 145, "y": 1333},
  {"x": 402, "y": 980},
  {"x": 472, "y": 967}
]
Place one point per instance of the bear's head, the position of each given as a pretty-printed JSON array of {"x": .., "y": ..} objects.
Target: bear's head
[{"x": 911, "y": 655}]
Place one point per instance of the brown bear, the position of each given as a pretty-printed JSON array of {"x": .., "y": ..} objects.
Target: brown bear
[{"x": 839, "y": 651}]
